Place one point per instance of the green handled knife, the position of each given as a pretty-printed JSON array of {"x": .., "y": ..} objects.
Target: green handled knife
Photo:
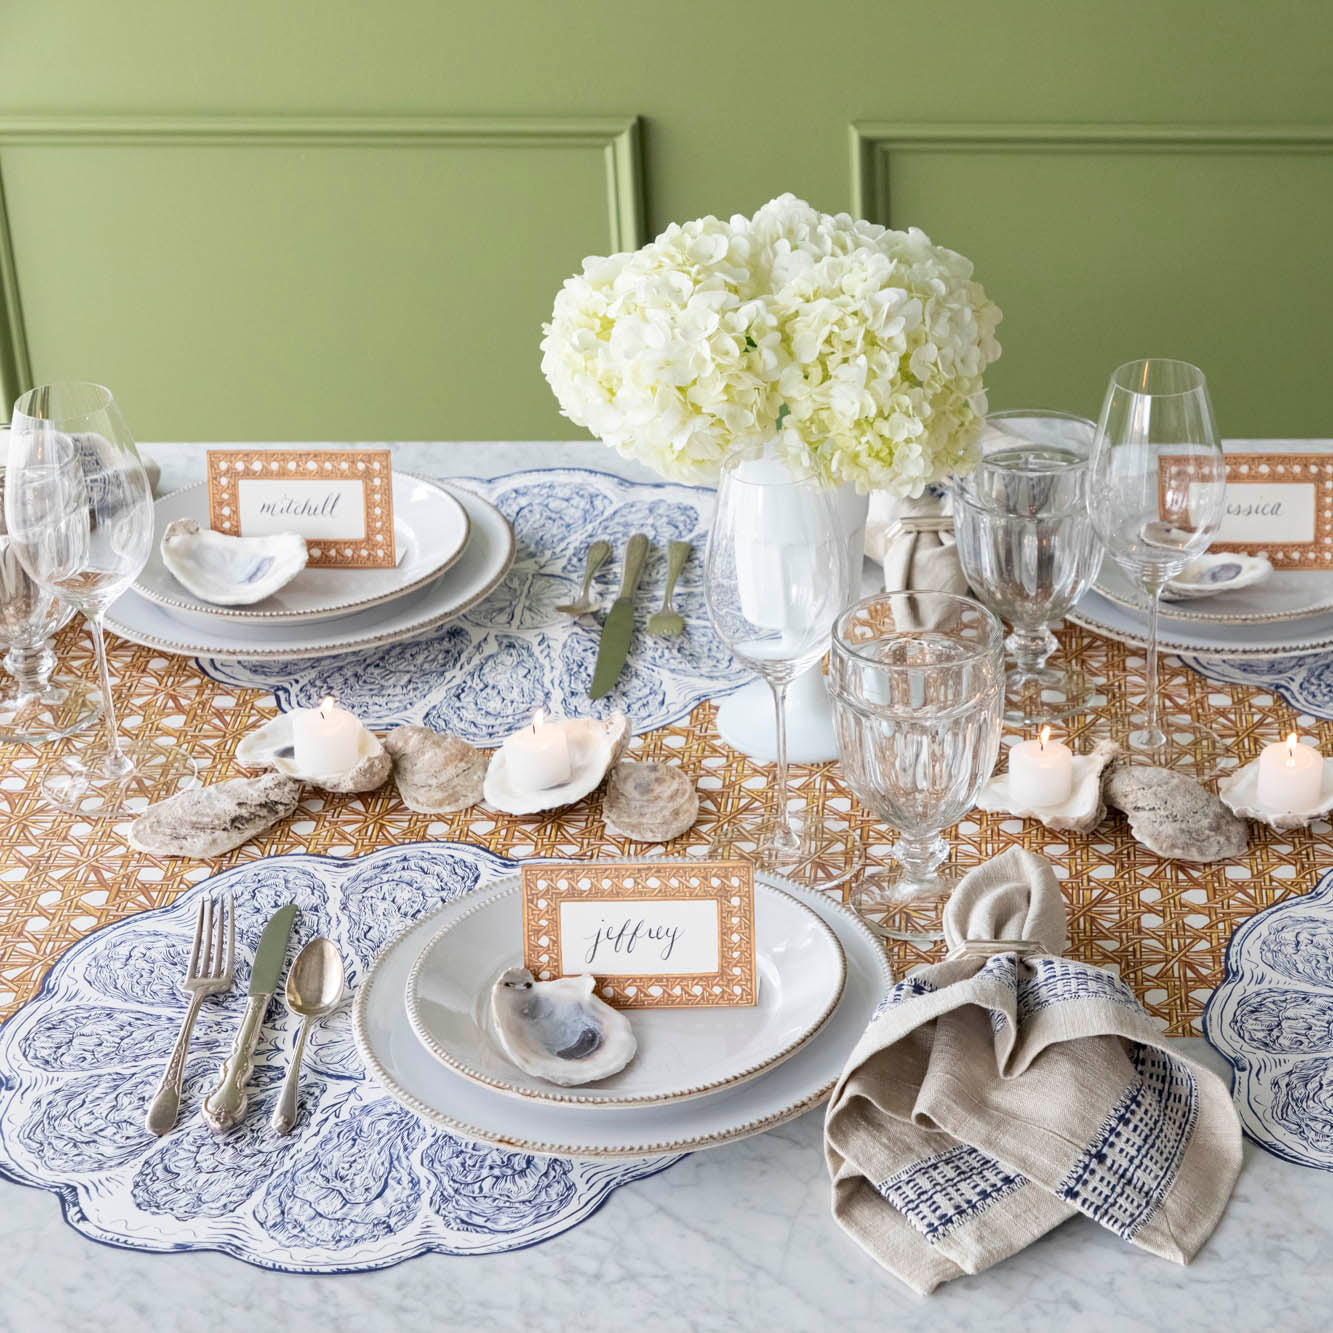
[
  {"x": 224, "y": 1107},
  {"x": 619, "y": 627}
]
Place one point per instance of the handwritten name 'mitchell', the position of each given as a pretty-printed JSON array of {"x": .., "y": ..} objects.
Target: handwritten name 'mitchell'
[
  {"x": 295, "y": 506},
  {"x": 624, "y": 937}
]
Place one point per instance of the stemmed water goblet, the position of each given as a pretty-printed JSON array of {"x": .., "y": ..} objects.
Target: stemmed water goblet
[
  {"x": 1157, "y": 498},
  {"x": 1028, "y": 549},
  {"x": 917, "y": 680},
  {"x": 79, "y": 514},
  {"x": 775, "y": 579}
]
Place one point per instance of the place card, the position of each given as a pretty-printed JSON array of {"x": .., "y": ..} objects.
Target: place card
[
  {"x": 1279, "y": 505},
  {"x": 339, "y": 500},
  {"x": 654, "y": 934}
]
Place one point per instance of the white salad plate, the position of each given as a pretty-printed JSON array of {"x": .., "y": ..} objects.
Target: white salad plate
[
  {"x": 1286, "y": 594},
  {"x": 681, "y": 1052},
  {"x": 1291, "y": 638},
  {"x": 430, "y": 530},
  {"x": 395, "y": 1057},
  {"x": 485, "y": 560}
]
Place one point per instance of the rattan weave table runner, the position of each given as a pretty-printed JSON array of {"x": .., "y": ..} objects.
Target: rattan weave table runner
[{"x": 1163, "y": 924}]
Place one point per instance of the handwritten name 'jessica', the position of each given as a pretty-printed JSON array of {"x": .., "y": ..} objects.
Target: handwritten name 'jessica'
[{"x": 624, "y": 937}]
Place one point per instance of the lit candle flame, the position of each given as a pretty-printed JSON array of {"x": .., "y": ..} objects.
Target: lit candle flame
[
  {"x": 327, "y": 706},
  {"x": 1045, "y": 736},
  {"x": 1292, "y": 742},
  {"x": 538, "y": 718}
]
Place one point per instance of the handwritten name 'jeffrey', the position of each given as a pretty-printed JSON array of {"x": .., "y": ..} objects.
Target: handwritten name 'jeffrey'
[{"x": 624, "y": 937}]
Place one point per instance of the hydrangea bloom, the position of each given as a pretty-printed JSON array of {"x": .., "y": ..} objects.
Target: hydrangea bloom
[{"x": 863, "y": 346}]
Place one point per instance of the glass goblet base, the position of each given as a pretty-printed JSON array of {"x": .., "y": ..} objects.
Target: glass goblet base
[
  {"x": 1035, "y": 697},
  {"x": 904, "y": 900},
  {"x": 821, "y": 855},
  {"x": 87, "y": 782},
  {"x": 1179, "y": 743},
  {"x": 33, "y": 715}
]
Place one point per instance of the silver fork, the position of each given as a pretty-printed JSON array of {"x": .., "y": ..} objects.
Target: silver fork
[{"x": 209, "y": 971}]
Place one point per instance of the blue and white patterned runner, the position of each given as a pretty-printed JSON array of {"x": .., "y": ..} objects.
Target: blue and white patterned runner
[
  {"x": 483, "y": 675},
  {"x": 360, "y": 1184},
  {"x": 1272, "y": 1018}
]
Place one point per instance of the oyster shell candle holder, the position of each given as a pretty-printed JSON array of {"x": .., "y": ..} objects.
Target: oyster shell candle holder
[
  {"x": 231, "y": 571},
  {"x": 1289, "y": 786},
  {"x": 550, "y": 764},
  {"x": 1172, "y": 815},
  {"x": 1082, "y": 807},
  {"x": 325, "y": 747},
  {"x": 649, "y": 802}
]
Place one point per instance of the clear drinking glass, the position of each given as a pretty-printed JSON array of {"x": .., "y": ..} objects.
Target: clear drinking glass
[
  {"x": 36, "y": 705},
  {"x": 1028, "y": 548},
  {"x": 80, "y": 519},
  {"x": 1157, "y": 498},
  {"x": 917, "y": 680},
  {"x": 775, "y": 579}
]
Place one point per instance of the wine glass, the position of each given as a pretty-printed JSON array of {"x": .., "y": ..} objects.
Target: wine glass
[
  {"x": 80, "y": 519},
  {"x": 35, "y": 704},
  {"x": 775, "y": 579},
  {"x": 917, "y": 680},
  {"x": 1157, "y": 498},
  {"x": 1028, "y": 549}
]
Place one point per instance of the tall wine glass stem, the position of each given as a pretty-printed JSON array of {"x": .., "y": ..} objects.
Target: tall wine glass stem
[
  {"x": 785, "y": 837},
  {"x": 117, "y": 762},
  {"x": 1153, "y": 735}
]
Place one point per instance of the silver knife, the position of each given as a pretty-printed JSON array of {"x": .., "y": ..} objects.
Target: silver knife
[
  {"x": 619, "y": 627},
  {"x": 224, "y": 1107}
]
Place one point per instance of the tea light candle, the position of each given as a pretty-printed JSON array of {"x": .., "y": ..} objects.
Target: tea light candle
[
  {"x": 538, "y": 756},
  {"x": 1041, "y": 772},
  {"x": 1291, "y": 776},
  {"x": 326, "y": 739}
]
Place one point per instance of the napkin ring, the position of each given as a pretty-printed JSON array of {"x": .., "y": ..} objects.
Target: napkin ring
[
  {"x": 911, "y": 524},
  {"x": 993, "y": 948}
]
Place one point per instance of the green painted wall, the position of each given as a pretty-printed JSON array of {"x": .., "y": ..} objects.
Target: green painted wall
[{"x": 328, "y": 219}]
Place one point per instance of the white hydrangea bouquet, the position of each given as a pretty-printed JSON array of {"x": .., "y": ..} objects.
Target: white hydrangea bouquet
[{"x": 815, "y": 335}]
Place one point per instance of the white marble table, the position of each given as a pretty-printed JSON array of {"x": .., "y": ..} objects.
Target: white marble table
[{"x": 736, "y": 1238}]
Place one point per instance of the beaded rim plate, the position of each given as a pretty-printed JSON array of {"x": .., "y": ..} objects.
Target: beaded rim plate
[
  {"x": 1287, "y": 594},
  {"x": 431, "y": 527},
  {"x": 413, "y": 1077},
  {"x": 683, "y": 1053}
]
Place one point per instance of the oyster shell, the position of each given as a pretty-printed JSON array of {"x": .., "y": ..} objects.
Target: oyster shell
[
  {"x": 1174, "y": 816},
  {"x": 559, "y": 1030},
  {"x": 1081, "y": 813},
  {"x": 1215, "y": 573},
  {"x": 271, "y": 746},
  {"x": 436, "y": 773},
  {"x": 230, "y": 571},
  {"x": 594, "y": 746},
  {"x": 649, "y": 802},
  {"x": 207, "y": 821},
  {"x": 1240, "y": 794}
]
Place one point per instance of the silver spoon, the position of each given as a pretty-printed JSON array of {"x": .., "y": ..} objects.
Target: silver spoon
[
  {"x": 598, "y": 554},
  {"x": 314, "y": 987}
]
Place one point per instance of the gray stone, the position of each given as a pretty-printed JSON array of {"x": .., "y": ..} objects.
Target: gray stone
[
  {"x": 649, "y": 802},
  {"x": 209, "y": 821},
  {"x": 436, "y": 774},
  {"x": 1174, "y": 816}
]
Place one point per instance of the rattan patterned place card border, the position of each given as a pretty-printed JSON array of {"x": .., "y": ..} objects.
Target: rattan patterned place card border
[
  {"x": 656, "y": 935},
  {"x": 339, "y": 500}
]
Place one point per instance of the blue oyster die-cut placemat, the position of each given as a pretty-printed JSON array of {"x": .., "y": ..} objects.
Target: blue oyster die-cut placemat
[
  {"x": 1306, "y": 682},
  {"x": 360, "y": 1184},
  {"x": 1272, "y": 1018},
  {"x": 482, "y": 675}
]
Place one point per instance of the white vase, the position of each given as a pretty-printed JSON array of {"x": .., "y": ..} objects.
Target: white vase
[{"x": 745, "y": 719}]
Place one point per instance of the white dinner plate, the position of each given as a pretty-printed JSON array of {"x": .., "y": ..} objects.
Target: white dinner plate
[
  {"x": 1289, "y": 638},
  {"x": 402, "y": 1066},
  {"x": 485, "y": 561},
  {"x": 1287, "y": 594},
  {"x": 681, "y": 1053},
  {"x": 430, "y": 530}
]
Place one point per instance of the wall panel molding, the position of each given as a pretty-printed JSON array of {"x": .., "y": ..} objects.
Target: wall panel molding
[
  {"x": 873, "y": 145},
  {"x": 618, "y": 139}
]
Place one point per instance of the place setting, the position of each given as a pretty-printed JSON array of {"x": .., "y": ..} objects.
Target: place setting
[{"x": 459, "y": 851}]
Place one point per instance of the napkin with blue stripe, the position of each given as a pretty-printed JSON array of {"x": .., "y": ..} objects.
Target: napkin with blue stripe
[{"x": 1007, "y": 1088}]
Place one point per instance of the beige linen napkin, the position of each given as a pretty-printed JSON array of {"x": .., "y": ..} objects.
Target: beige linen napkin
[
  {"x": 913, "y": 540},
  {"x": 1005, "y": 1089}
]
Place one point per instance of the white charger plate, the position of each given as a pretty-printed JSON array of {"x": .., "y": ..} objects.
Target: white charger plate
[
  {"x": 430, "y": 530},
  {"x": 484, "y": 562},
  {"x": 681, "y": 1053},
  {"x": 1287, "y": 594},
  {"x": 1291, "y": 638},
  {"x": 403, "y": 1067}
]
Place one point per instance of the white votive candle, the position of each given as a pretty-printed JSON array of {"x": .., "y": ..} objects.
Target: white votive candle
[
  {"x": 1041, "y": 772},
  {"x": 1291, "y": 776},
  {"x": 326, "y": 739},
  {"x": 538, "y": 756}
]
